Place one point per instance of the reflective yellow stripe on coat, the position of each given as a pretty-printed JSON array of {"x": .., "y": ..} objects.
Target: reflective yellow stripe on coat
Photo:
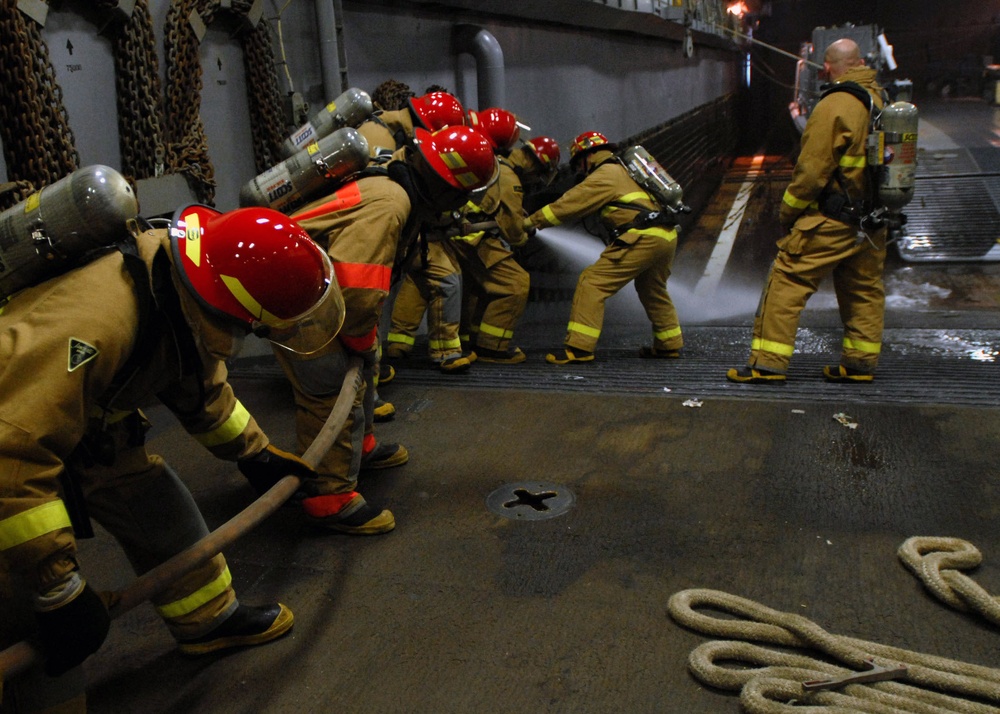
[{"x": 229, "y": 430}]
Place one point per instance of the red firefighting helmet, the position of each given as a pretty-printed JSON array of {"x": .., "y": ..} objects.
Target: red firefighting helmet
[
  {"x": 585, "y": 143},
  {"x": 260, "y": 268},
  {"x": 499, "y": 127},
  {"x": 458, "y": 154},
  {"x": 546, "y": 150},
  {"x": 437, "y": 110}
]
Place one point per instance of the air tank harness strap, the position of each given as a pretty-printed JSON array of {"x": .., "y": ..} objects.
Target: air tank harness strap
[
  {"x": 860, "y": 214},
  {"x": 838, "y": 204},
  {"x": 645, "y": 218},
  {"x": 97, "y": 447}
]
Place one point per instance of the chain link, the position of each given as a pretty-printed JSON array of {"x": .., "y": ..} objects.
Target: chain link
[
  {"x": 266, "y": 122},
  {"x": 157, "y": 132},
  {"x": 38, "y": 143},
  {"x": 187, "y": 145},
  {"x": 139, "y": 94}
]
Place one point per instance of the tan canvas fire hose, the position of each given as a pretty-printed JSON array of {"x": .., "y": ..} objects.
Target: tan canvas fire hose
[{"x": 19, "y": 657}]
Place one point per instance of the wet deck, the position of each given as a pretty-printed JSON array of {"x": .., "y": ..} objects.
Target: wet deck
[{"x": 758, "y": 491}]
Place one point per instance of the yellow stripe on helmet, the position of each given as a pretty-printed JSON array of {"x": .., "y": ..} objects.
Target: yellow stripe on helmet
[
  {"x": 192, "y": 236},
  {"x": 244, "y": 298},
  {"x": 459, "y": 169}
]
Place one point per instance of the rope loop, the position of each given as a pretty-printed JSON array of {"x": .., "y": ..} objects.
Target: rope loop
[
  {"x": 771, "y": 680},
  {"x": 938, "y": 561}
]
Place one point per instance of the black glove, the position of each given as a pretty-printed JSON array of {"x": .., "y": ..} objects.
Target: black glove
[
  {"x": 74, "y": 628},
  {"x": 270, "y": 466}
]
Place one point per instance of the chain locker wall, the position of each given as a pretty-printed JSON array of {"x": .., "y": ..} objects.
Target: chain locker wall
[{"x": 561, "y": 79}]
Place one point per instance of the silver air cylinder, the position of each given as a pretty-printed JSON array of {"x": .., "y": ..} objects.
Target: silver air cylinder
[
  {"x": 349, "y": 109},
  {"x": 647, "y": 172},
  {"x": 897, "y": 147},
  {"x": 51, "y": 230},
  {"x": 305, "y": 175}
]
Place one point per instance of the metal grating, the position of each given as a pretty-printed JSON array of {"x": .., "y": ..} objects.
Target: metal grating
[
  {"x": 912, "y": 371},
  {"x": 953, "y": 215}
]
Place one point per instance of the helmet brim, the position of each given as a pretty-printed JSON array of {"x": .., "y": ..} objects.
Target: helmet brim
[{"x": 309, "y": 333}]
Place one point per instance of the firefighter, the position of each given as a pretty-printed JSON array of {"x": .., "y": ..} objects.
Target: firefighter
[
  {"x": 635, "y": 251},
  {"x": 821, "y": 213},
  {"x": 82, "y": 351},
  {"x": 434, "y": 280},
  {"x": 368, "y": 227},
  {"x": 388, "y": 130},
  {"x": 495, "y": 286},
  {"x": 391, "y": 95}
]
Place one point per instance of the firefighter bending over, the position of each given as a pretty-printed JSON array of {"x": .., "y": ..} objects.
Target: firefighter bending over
[
  {"x": 82, "y": 351},
  {"x": 641, "y": 241},
  {"x": 368, "y": 227}
]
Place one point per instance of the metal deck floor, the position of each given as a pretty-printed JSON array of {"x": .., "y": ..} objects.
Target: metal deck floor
[{"x": 760, "y": 491}]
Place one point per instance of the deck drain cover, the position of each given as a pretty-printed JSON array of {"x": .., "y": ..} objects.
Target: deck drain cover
[{"x": 530, "y": 501}]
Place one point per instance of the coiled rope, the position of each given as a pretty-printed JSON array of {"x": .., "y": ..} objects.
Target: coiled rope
[
  {"x": 771, "y": 680},
  {"x": 937, "y": 562}
]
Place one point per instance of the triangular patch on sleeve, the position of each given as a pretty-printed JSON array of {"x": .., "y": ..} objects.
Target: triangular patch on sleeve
[{"x": 80, "y": 353}]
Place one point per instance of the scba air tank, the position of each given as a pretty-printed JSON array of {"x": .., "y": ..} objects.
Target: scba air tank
[
  {"x": 319, "y": 166},
  {"x": 349, "y": 109},
  {"x": 648, "y": 173},
  {"x": 53, "y": 230},
  {"x": 894, "y": 151}
]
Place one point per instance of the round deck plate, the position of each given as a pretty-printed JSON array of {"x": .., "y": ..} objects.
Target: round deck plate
[{"x": 530, "y": 500}]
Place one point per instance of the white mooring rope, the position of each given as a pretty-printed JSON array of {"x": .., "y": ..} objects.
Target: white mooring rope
[{"x": 771, "y": 680}]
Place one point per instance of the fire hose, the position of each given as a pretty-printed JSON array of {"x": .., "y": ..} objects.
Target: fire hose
[{"x": 21, "y": 656}]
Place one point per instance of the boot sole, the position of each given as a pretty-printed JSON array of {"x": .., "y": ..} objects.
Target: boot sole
[
  {"x": 397, "y": 459},
  {"x": 552, "y": 359},
  {"x": 492, "y": 360},
  {"x": 832, "y": 377},
  {"x": 282, "y": 624},
  {"x": 382, "y": 523},
  {"x": 647, "y": 353},
  {"x": 732, "y": 376}
]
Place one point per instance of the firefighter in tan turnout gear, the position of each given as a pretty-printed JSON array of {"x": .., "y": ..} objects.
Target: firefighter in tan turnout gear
[
  {"x": 81, "y": 352},
  {"x": 635, "y": 251},
  {"x": 822, "y": 211},
  {"x": 495, "y": 286},
  {"x": 434, "y": 279},
  {"x": 368, "y": 227}
]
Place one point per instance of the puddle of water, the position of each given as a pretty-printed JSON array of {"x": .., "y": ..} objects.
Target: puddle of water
[{"x": 943, "y": 343}]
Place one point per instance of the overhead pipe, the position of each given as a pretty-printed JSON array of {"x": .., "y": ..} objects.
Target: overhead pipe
[
  {"x": 332, "y": 73},
  {"x": 486, "y": 50}
]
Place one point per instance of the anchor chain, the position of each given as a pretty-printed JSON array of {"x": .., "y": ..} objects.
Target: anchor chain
[{"x": 39, "y": 147}]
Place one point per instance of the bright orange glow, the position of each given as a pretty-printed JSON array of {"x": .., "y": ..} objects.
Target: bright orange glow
[{"x": 738, "y": 8}]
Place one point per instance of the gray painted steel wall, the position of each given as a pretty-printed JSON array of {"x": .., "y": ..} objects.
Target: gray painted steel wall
[{"x": 561, "y": 79}]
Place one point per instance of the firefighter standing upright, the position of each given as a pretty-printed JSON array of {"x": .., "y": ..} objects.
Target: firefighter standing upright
[
  {"x": 82, "y": 351},
  {"x": 824, "y": 210},
  {"x": 639, "y": 248}
]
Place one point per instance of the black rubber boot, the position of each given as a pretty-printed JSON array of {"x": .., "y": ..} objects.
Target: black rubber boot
[{"x": 249, "y": 625}]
